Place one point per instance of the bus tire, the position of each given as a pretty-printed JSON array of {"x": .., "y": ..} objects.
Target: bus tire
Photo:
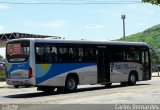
[
  {"x": 71, "y": 84},
  {"x": 16, "y": 86},
  {"x": 46, "y": 89},
  {"x": 108, "y": 85},
  {"x": 123, "y": 84},
  {"x": 27, "y": 86},
  {"x": 132, "y": 79},
  {"x": 60, "y": 90}
]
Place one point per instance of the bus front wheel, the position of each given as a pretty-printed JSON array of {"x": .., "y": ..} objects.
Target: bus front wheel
[
  {"x": 132, "y": 79},
  {"x": 108, "y": 85}
]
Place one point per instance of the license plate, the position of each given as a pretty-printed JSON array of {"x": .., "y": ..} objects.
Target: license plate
[{"x": 18, "y": 75}]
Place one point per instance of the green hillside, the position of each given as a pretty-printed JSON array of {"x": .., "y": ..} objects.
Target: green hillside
[{"x": 150, "y": 36}]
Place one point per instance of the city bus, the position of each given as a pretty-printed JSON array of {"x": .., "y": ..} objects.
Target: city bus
[{"x": 50, "y": 64}]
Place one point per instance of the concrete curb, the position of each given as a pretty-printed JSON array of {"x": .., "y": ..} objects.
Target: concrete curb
[
  {"x": 155, "y": 74},
  {"x": 4, "y": 85}
]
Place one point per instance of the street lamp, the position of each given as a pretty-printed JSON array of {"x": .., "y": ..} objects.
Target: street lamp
[{"x": 123, "y": 17}]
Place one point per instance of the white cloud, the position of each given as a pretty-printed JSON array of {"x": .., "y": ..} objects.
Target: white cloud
[
  {"x": 48, "y": 24},
  {"x": 145, "y": 10},
  {"x": 34, "y": 1},
  {"x": 55, "y": 24},
  {"x": 141, "y": 24},
  {"x": 95, "y": 26},
  {"x": 132, "y": 7},
  {"x": 4, "y": 6},
  {"x": 31, "y": 1},
  {"x": 1, "y": 28}
]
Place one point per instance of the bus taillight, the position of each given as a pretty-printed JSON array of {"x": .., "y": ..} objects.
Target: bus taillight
[{"x": 30, "y": 72}]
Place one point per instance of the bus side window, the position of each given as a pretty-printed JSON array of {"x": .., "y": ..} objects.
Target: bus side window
[
  {"x": 132, "y": 54},
  {"x": 73, "y": 52},
  {"x": 38, "y": 58},
  {"x": 45, "y": 55},
  {"x": 65, "y": 54},
  {"x": 54, "y": 54},
  {"x": 38, "y": 55},
  {"x": 51, "y": 55},
  {"x": 89, "y": 54},
  {"x": 60, "y": 52},
  {"x": 80, "y": 51},
  {"x": 117, "y": 54}
]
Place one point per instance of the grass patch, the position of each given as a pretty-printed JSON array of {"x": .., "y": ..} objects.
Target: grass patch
[{"x": 2, "y": 74}]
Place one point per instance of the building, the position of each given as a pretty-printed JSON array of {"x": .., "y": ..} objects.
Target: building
[{"x": 16, "y": 35}]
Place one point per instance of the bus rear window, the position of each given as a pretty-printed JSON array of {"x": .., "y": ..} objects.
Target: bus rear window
[{"x": 17, "y": 51}]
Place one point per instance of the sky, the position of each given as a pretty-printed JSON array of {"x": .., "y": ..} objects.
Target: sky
[{"x": 77, "y": 19}]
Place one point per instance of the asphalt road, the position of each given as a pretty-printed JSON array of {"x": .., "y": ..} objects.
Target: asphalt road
[{"x": 144, "y": 92}]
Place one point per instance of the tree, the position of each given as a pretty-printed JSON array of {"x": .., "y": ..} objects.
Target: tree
[
  {"x": 155, "y": 56},
  {"x": 1, "y": 58},
  {"x": 156, "y": 2}
]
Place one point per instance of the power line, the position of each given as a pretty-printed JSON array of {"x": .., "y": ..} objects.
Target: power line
[
  {"x": 72, "y": 3},
  {"x": 101, "y": 0}
]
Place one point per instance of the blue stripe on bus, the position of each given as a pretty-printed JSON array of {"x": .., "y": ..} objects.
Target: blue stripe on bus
[
  {"x": 56, "y": 69},
  {"x": 17, "y": 66}
]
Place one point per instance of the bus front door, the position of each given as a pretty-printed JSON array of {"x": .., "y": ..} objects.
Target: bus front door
[
  {"x": 103, "y": 68},
  {"x": 146, "y": 65}
]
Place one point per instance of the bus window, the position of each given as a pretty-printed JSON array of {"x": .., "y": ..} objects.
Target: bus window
[
  {"x": 89, "y": 54},
  {"x": 54, "y": 54},
  {"x": 68, "y": 54},
  {"x": 46, "y": 54},
  {"x": 63, "y": 54},
  {"x": 132, "y": 54},
  {"x": 73, "y": 53},
  {"x": 117, "y": 54},
  {"x": 17, "y": 51},
  {"x": 80, "y": 54}
]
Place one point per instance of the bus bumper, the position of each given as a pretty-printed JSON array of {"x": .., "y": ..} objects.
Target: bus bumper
[{"x": 19, "y": 82}]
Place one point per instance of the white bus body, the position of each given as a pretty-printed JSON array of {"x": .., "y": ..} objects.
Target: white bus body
[{"x": 64, "y": 64}]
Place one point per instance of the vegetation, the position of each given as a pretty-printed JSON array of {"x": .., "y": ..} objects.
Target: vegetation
[
  {"x": 2, "y": 69},
  {"x": 2, "y": 74},
  {"x": 156, "y": 2},
  {"x": 1, "y": 58},
  {"x": 152, "y": 37}
]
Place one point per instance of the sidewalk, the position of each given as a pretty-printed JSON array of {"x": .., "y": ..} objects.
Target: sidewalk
[
  {"x": 155, "y": 74},
  {"x": 3, "y": 85}
]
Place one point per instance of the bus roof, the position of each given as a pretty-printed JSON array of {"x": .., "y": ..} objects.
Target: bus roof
[{"x": 50, "y": 40}]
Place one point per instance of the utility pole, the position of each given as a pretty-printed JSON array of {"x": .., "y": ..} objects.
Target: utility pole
[{"x": 123, "y": 17}]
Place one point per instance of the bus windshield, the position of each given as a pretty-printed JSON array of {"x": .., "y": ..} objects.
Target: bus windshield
[{"x": 17, "y": 51}]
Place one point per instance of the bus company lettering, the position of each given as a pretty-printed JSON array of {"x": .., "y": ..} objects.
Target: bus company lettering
[{"x": 119, "y": 66}]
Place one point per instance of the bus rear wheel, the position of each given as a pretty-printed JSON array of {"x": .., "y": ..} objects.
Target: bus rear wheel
[
  {"x": 71, "y": 84},
  {"x": 46, "y": 89},
  {"x": 16, "y": 86}
]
